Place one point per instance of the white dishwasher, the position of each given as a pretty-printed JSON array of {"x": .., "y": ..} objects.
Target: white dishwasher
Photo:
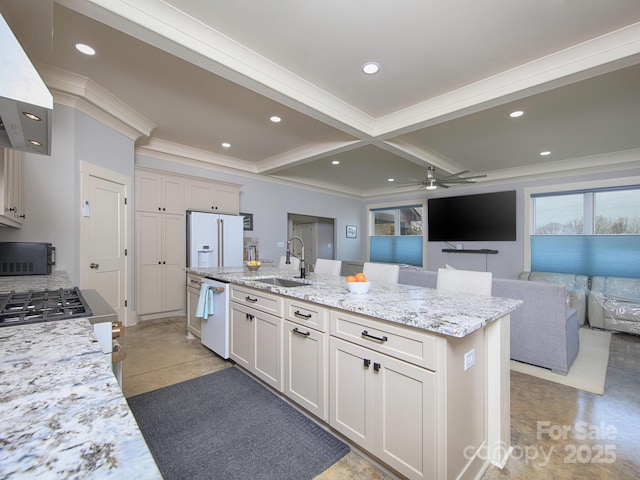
[{"x": 214, "y": 330}]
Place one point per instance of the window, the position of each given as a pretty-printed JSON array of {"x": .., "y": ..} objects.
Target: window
[
  {"x": 396, "y": 235},
  {"x": 590, "y": 232}
]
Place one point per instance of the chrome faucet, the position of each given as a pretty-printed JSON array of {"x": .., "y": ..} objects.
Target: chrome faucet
[{"x": 301, "y": 257}]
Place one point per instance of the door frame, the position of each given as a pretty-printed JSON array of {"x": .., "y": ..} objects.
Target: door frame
[{"x": 88, "y": 170}]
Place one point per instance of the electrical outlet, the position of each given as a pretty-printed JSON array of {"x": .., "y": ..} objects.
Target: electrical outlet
[{"x": 469, "y": 359}]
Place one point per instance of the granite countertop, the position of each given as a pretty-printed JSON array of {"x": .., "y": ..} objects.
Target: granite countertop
[
  {"x": 23, "y": 283},
  {"x": 454, "y": 315},
  {"x": 63, "y": 412}
]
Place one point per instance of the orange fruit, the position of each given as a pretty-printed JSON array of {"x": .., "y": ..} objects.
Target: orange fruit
[
  {"x": 351, "y": 278},
  {"x": 360, "y": 277}
]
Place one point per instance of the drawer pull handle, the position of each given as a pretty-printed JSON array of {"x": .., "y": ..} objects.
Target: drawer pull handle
[
  {"x": 376, "y": 366},
  {"x": 305, "y": 334},
  {"x": 249, "y": 299},
  {"x": 380, "y": 339},
  {"x": 367, "y": 363},
  {"x": 249, "y": 316},
  {"x": 297, "y": 313}
]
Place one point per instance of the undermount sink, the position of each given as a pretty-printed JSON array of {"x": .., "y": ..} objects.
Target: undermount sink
[{"x": 282, "y": 282}]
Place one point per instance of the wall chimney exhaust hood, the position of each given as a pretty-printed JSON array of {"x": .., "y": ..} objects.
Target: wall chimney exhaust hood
[{"x": 26, "y": 105}]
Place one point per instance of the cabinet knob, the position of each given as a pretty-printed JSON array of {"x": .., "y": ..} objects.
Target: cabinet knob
[
  {"x": 94, "y": 265},
  {"x": 376, "y": 366},
  {"x": 23, "y": 216},
  {"x": 367, "y": 363}
]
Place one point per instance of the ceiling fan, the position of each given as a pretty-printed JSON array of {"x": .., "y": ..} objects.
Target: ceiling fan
[{"x": 431, "y": 182}]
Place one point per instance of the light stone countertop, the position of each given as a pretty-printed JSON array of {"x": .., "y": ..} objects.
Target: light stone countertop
[
  {"x": 63, "y": 412},
  {"x": 23, "y": 283},
  {"x": 455, "y": 315}
]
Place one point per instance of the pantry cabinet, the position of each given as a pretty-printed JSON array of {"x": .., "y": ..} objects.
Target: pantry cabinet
[
  {"x": 11, "y": 182},
  {"x": 161, "y": 202},
  {"x": 160, "y": 263},
  {"x": 256, "y": 334}
]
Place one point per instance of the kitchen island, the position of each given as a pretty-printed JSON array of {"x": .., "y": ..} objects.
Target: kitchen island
[
  {"x": 417, "y": 378},
  {"x": 63, "y": 412}
]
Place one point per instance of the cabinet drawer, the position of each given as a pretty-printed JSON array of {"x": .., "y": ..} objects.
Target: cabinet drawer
[
  {"x": 308, "y": 314},
  {"x": 404, "y": 343},
  {"x": 257, "y": 299}
]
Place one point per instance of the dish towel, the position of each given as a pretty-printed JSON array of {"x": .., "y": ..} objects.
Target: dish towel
[{"x": 206, "y": 302}]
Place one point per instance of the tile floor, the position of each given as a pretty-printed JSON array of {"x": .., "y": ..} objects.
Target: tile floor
[{"x": 602, "y": 438}]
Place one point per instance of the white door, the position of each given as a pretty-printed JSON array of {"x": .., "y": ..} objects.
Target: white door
[{"x": 104, "y": 264}]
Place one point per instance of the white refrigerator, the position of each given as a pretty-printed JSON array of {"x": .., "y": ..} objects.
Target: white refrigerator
[{"x": 214, "y": 240}]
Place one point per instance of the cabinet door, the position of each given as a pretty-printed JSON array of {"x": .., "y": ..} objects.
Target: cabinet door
[
  {"x": 148, "y": 191},
  {"x": 173, "y": 195},
  {"x": 241, "y": 331},
  {"x": 404, "y": 413},
  {"x": 173, "y": 262},
  {"x": 148, "y": 262},
  {"x": 351, "y": 406},
  {"x": 227, "y": 199},
  {"x": 200, "y": 196},
  {"x": 268, "y": 349},
  {"x": 305, "y": 369}
]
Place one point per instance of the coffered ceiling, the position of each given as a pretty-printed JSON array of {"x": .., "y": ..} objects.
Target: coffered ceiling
[{"x": 188, "y": 75}]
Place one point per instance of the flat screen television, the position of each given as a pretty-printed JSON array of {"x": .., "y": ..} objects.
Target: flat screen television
[{"x": 473, "y": 218}]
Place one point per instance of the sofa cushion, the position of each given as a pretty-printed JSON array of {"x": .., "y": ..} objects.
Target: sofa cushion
[{"x": 621, "y": 287}]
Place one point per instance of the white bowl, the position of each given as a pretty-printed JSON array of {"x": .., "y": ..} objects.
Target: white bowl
[{"x": 359, "y": 287}]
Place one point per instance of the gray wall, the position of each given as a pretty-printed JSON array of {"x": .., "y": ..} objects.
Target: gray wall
[
  {"x": 52, "y": 201},
  {"x": 271, "y": 201},
  {"x": 510, "y": 261},
  {"x": 52, "y": 184}
]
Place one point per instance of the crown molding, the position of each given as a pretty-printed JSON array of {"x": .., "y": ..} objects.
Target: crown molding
[
  {"x": 87, "y": 96},
  {"x": 579, "y": 62}
]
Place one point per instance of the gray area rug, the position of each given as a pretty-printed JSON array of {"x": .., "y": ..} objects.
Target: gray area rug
[{"x": 226, "y": 425}]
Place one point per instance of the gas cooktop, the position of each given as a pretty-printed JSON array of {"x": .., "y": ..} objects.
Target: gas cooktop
[{"x": 41, "y": 306}]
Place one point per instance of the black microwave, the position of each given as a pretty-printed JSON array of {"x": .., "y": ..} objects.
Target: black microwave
[{"x": 26, "y": 258}]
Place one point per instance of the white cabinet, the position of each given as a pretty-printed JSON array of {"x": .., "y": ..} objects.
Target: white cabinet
[
  {"x": 11, "y": 170},
  {"x": 385, "y": 405},
  {"x": 160, "y": 262},
  {"x": 305, "y": 356},
  {"x": 156, "y": 192},
  {"x": 194, "y": 323},
  {"x": 213, "y": 197},
  {"x": 256, "y": 334}
]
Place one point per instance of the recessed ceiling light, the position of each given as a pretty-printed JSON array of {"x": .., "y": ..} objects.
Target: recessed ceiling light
[
  {"x": 335, "y": 162},
  {"x": 545, "y": 153},
  {"x": 225, "y": 145},
  {"x": 275, "y": 119},
  {"x": 370, "y": 68},
  {"x": 35, "y": 143},
  {"x": 31, "y": 116},
  {"x": 516, "y": 114},
  {"x": 391, "y": 179},
  {"x": 86, "y": 49}
]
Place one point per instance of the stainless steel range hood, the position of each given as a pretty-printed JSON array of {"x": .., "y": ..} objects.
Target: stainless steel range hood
[{"x": 26, "y": 105}]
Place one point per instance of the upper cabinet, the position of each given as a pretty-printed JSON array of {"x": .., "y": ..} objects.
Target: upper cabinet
[
  {"x": 11, "y": 182},
  {"x": 162, "y": 192},
  {"x": 213, "y": 197},
  {"x": 156, "y": 192}
]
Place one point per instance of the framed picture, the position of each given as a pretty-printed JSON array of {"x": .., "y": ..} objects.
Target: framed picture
[
  {"x": 352, "y": 231},
  {"x": 248, "y": 220}
]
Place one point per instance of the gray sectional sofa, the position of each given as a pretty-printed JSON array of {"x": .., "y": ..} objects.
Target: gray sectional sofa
[{"x": 544, "y": 329}]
